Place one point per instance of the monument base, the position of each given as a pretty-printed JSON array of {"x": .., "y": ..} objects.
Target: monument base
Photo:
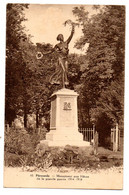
[
  {"x": 64, "y": 120},
  {"x": 64, "y": 143},
  {"x": 55, "y": 138}
]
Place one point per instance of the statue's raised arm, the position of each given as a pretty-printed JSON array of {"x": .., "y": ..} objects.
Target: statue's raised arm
[{"x": 72, "y": 31}]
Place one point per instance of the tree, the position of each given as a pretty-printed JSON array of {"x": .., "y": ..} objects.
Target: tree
[
  {"x": 76, "y": 64},
  {"x": 14, "y": 34},
  {"x": 103, "y": 82}
]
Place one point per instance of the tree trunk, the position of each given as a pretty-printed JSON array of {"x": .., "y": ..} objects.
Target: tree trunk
[
  {"x": 25, "y": 118},
  {"x": 88, "y": 113},
  {"x": 37, "y": 119}
]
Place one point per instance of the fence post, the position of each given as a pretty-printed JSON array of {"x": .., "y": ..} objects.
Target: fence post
[
  {"x": 117, "y": 137},
  {"x": 113, "y": 139},
  {"x": 93, "y": 132},
  {"x": 119, "y": 140},
  {"x": 95, "y": 143}
]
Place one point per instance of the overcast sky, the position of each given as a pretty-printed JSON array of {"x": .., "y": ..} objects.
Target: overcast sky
[{"x": 45, "y": 22}]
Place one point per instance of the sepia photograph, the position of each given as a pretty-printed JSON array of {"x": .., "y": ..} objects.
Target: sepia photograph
[{"x": 64, "y": 96}]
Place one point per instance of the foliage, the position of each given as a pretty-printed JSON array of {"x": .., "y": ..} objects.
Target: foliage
[
  {"x": 18, "y": 141},
  {"x": 46, "y": 156},
  {"x": 27, "y": 83},
  {"x": 11, "y": 159},
  {"x": 102, "y": 88},
  {"x": 76, "y": 64},
  {"x": 20, "y": 146},
  {"x": 37, "y": 137},
  {"x": 14, "y": 60},
  {"x": 43, "y": 157}
]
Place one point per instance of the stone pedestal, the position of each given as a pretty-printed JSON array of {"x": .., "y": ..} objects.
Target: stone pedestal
[{"x": 64, "y": 120}]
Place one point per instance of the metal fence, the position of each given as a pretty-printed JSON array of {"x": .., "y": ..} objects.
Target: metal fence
[{"x": 88, "y": 133}]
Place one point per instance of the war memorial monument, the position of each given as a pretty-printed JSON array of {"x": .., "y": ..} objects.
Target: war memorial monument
[{"x": 64, "y": 111}]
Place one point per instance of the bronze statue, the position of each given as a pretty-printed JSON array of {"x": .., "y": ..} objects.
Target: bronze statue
[{"x": 60, "y": 75}]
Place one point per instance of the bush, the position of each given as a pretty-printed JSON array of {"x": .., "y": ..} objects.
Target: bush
[
  {"x": 11, "y": 159},
  {"x": 46, "y": 156},
  {"x": 42, "y": 157},
  {"x": 20, "y": 146},
  {"x": 18, "y": 141},
  {"x": 37, "y": 137}
]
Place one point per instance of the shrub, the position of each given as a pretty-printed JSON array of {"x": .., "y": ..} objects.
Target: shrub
[
  {"x": 46, "y": 156},
  {"x": 37, "y": 137},
  {"x": 42, "y": 158},
  {"x": 20, "y": 146},
  {"x": 11, "y": 159},
  {"x": 18, "y": 141}
]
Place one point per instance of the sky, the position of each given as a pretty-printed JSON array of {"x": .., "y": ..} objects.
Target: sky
[{"x": 45, "y": 22}]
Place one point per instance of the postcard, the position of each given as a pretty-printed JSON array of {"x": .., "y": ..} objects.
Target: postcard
[{"x": 64, "y": 96}]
